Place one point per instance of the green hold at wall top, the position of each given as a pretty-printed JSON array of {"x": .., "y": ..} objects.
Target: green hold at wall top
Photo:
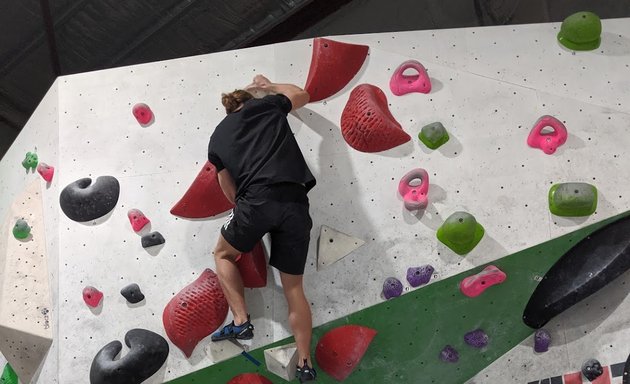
[{"x": 581, "y": 31}]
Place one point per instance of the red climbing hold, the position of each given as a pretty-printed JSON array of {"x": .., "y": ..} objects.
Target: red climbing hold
[
  {"x": 137, "y": 219},
  {"x": 333, "y": 65},
  {"x": 249, "y": 378},
  {"x": 340, "y": 350},
  {"x": 195, "y": 312},
  {"x": 46, "y": 171},
  {"x": 204, "y": 197},
  {"x": 253, "y": 267},
  {"x": 142, "y": 113},
  {"x": 92, "y": 296},
  {"x": 367, "y": 124}
]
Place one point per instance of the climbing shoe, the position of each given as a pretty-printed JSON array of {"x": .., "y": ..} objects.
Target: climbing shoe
[
  {"x": 244, "y": 331},
  {"x": 304, "y": 373}
]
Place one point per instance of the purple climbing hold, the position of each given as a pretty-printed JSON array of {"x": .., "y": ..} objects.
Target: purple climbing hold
[
  {"x": 392, "y": 287},
  {"x": 542, "y": 339},
  {"x": 417, "y": 276},
  {"x": 477, "y": 338},
  {"x": 449, "y": 355}
]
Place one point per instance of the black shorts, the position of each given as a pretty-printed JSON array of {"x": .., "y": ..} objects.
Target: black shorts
[{"x": 280, "y": 210}]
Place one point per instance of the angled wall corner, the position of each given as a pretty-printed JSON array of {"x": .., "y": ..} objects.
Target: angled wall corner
[{"x": 25, "y": 293}]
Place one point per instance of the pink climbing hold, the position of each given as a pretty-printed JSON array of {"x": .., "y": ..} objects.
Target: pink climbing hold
[
  {"x": 46, "y": 171},
  {"x": 473, "y": 286},
  {"x": 415, "y": 196},
  {"x": 195, "y": 312},
  {"x": 137, "y": 219},
  {"x": 92, "y": 296},
  {"x": 548, "y": 142},
  {"x": 401, "y": 84},
  {"x": 142, "y": 113}
]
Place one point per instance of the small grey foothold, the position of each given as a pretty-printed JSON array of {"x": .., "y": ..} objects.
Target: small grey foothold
[
  {"x": 152, "y": 239},
  {"x": 132, "y": 293}
]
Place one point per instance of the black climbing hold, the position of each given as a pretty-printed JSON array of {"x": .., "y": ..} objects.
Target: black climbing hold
[
  {"x": 592, "y": 263},
  {"x": 148, "y": 352},
  {"x": 152, "y": 239},
  {"x": 132, "y": 293},
  {"x": 592, "y": 369},
  {"x": 84, "y": 201}
]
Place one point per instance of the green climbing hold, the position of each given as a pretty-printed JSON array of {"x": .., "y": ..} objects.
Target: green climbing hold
[
  {"x": 581, "y": 31},
  {"x": 460, "y": 232},
  {"x": 21, "y": 229},
  {"x": 30, "y": 161},
  {"x": 433, "y": 135},
  {"x": 572, "y": 199},
  {"x": 8, "y": 376}
]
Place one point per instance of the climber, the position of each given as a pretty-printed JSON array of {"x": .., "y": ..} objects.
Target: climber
[{"x": 263, "y": 172}]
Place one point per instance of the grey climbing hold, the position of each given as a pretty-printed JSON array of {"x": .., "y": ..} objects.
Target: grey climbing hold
[
  {"x": 152, "y": 239},
  {"x": 417, "y": 276},
  {"x": 477, "y": 338},
  {"x": 83, "y": 200},
  {"x": 592, "y": 369},
  {"x": 132, "y": 293},
  {"x": 148, "y": 352},
  {"x": 542, "y": 340}
]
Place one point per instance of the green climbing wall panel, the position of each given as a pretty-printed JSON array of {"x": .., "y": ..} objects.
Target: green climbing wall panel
[{"x": 413, "y": 329}]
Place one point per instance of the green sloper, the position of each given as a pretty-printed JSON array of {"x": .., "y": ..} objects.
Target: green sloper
[{"x": 413, "y": 329}]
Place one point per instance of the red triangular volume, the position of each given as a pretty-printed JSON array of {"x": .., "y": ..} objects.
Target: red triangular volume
[
  {"x": 367, "y": 124},
  {"x": 333, "y": 65},
  {"x": 249, "y": 378},
  {"x": 253, "y": 267},
  {"x": 340, "y": 350},
  {"x": 195, "y": 312},
  {"x": 204, "y": 197}
]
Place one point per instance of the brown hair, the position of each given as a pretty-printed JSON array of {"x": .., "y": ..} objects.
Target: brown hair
[{"x": 231, "y": 101}]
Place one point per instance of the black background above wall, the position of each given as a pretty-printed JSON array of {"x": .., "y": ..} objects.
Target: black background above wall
[{"x": 43, "y": 39}]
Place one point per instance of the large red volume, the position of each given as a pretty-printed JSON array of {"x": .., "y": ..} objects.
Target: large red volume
[
  {"x": 340, "y": 350},
  {"x": 195, "y": 312},
  {"x": 333, "y": 65},
  {"x": 367, "y": 124},
  {"x": 204, "y": 197},
  {"x": 253, "y": 267},
  {"x": 249, "y": 378}
]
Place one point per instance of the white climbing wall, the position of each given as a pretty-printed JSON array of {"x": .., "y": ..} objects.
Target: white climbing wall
[{"x": 490, "y": 85}]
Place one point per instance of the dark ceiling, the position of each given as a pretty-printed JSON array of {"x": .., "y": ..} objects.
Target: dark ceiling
[{"x": 42, "y": 39}]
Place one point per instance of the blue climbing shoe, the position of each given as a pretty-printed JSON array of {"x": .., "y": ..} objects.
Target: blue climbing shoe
[
  {"x": 244, "y": 331},
  {"x": 305, "y": 373}
]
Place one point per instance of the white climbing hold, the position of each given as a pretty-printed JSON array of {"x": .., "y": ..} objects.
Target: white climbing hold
[
  {"x": 334, "y": 246},
  {"x": 282, "y": 361}
]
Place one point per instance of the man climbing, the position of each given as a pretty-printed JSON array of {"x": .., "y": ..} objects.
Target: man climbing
[{"x": 262, "y": 171}]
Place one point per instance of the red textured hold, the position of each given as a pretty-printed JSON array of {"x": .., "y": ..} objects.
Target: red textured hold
[
  {"x": 253, "y": 267},
  {"x": 204, "y": 197},
  {"x": 142, "y": 113},
  {"x": 195, "y": 312},
  {"x": 137, "y": 219},
  {"x": 333, "y": 65},
  {"x": 92, "y": 296},
  {"x": 367, "y": 124},
  {"x": 249, "y": 378},
  {"x": 46, "y": 171},
  {"x": 340, "y": 350}
]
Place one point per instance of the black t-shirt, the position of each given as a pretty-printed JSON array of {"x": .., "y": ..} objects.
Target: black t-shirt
[{"x": 257, "y": 147}]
